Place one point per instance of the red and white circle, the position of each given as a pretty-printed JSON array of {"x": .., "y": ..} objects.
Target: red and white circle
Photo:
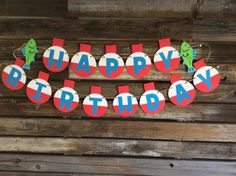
[
  {"x": 58, "y": 96},
  {"x": 125, "y": 112},
  {"x": 89, "y": 107},
  {"x": 103, "y": 65},
  {"x": 76, "y": 59},
  {"x": 174, "y": 61},
  {"x": 12, "y": 70},
  {"x": 140, "y": 72},
  {"x": 188, "y": 87},
  {"x": 214, "y": 79},
  {"x": 32, "y": 91},
  {"x": 58, "y": 53},
  {"x": 144, "y": 104}
]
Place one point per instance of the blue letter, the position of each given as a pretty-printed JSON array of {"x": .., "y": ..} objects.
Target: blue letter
[
  {"x": 138, "y": 67},
  {"x": 66, "y": 99},
  {"x": 14, "y": 80},
  {"x": 206, "y": 80},
  {"x": 39, "y": 90},
  {"x": 83, "y": 64},
  {"x": 95, "y": 104},
  {"x": 58, "y": 62},
  {"x": 181, "y": 93},
  {"x": 111, "y": 65},
  {"x": 151, "y": 106},
  {"x": 123, "y": 107},
  {"x": 166, "y": 60}
]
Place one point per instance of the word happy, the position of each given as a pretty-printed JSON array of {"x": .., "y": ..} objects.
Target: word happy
[{"x": 111, "y": 65}]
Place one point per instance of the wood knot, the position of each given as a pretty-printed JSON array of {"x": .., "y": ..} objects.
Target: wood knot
[{"x": 38, "y": 167}]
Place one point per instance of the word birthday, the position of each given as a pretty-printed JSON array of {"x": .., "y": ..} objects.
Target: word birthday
[{"x": 111, "y": 65}]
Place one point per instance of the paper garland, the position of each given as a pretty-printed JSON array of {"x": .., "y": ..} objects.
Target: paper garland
[
  {"x": 111, "y": 65},
  {"x": 38, "y": 90},
  {"x": 55, "y": 58},
  {"x": 13, "y": 76}
]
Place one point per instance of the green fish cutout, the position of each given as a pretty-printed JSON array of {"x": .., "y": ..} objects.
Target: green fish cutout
[
  {"x": 29, "y": 51},
  {"x": 188, "y": 54}
]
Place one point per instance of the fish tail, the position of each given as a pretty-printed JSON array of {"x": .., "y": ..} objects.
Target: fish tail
[
  {"x": 191, "y": 70},
  {"x": 26, "y": 66}
]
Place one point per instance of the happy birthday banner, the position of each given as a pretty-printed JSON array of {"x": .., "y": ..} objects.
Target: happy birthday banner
[{"x": 111, "y": 65}]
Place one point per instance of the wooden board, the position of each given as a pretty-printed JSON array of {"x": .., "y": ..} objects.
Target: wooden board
[
  {"x": 26, "y": 8},
  {"x": 118, "y": 129},
  {"x": 193, "y": 112},
  {"x": 122, "y": 166},
  {"x": 22, "y": 173},
  {"x": 109, "y": 28},
  {"x": 154, "y": 8},
  {"x": 117, "y": 147}
]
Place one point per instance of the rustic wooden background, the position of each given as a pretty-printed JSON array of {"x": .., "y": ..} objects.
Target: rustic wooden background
[{"x": 196, "y": 140}]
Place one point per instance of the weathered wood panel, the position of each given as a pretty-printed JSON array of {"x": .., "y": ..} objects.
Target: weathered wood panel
[
  {"x": 128, "y": 29},
  {"x": 135, "y": 145},
  {"x": 193, "y": 112},
  {"x": 225, "y": 93},
  {"x": 27, "y": 8},
  {"x": 223, "y": 31},
  {"x": 22, "y": 173},
  {"x": 119, "y": 129},
  {"x": 94, "y": 28},
  {"x": 123, "y": 166},
  {"x": 154, "y": 8},
  {"x": 114, "y": 147}
]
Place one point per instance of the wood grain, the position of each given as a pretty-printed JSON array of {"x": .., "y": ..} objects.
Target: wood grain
[
  {"x": 154, "y": 8},
  {"x": 118, "y": 129},
  {"x": 193, "y": 112},
  {"x": 22, "y": 173},
  {"x": 128, "y": 29},
  {"x": 25, "y": 8},
  {"x": 117, "y": 147},
  {"x": 123, "y": 166}
]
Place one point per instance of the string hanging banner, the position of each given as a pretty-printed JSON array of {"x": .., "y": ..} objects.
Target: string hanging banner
[{"x": 111, "y": 65}]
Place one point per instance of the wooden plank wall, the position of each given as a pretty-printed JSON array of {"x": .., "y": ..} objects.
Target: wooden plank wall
[{"x": 196, "y": 140}]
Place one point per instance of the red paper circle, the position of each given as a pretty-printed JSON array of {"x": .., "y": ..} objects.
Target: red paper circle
[
  {"x": 188, "y": 87},
  {"x": 12, "y": 70},
  {"x": 101, "y": 106},
  {"x": 54, "y": 67},
  {"x": 31, "y": 91}
]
